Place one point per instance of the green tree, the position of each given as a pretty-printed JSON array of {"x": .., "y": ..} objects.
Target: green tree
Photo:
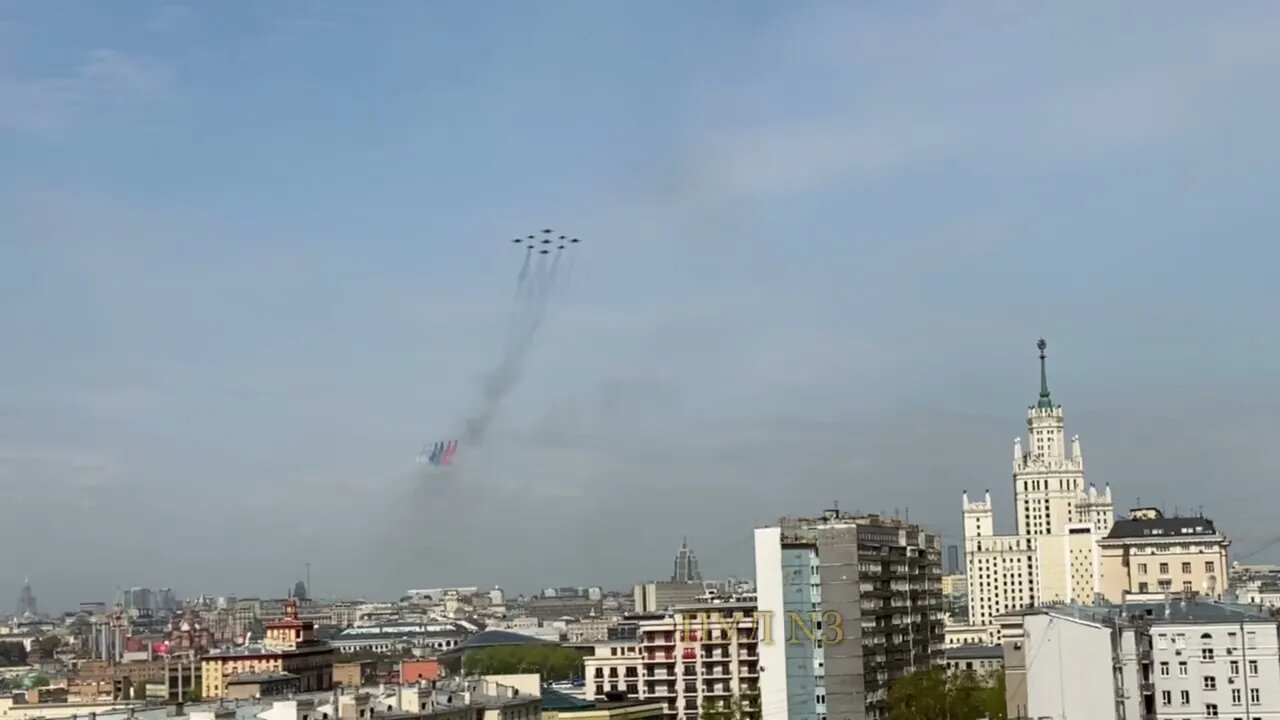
[
  {"x": 48, "y": 645},
  {"x": 994, "y": 703},
  {"x": 193, "y": 695},
  {"x": 552, "y": 662},
  {"x": 936, "y": 694}
]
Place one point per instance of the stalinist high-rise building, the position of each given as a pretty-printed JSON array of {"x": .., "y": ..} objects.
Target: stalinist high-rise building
[{"x": 1054, "y": 555}]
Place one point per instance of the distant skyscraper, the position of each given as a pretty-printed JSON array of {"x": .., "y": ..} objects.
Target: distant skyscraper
[
  {"x": 27, "y": 599},
  {"x": 953, "y": 559},
  {"x": 165, "y": 600},
  {"x": 686, "y": 566},
  {"x": 140, "y": 600}
]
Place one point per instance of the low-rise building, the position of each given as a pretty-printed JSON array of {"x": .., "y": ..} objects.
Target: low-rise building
[
  {"x": 981, "y": 660},
  {"x": 1148, "y": 552},
  {"x": 693, "y": 659},
  {"x": 1179, "y": 658},
  {"x": 423, "y": 639},
  {"x": 290, "y": 647},
  {"x": 560, "y": 706}
]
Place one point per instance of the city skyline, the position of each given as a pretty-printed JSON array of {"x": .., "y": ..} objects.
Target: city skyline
[{"x": 245, "y": 277}]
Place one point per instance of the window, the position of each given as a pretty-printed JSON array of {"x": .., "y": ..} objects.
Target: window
[
  {"x": 1210, "y": 682},
  {"x": 1206, "y": 654},
  {"x": 1235, "y": 667},
  {"x": 1208, "y": 566},
  {"x": 1251, "y": 641},
  {"x": 1166, "y": 697},
  {"x": 1253, "y": 668},
  {"x": 1142, "y": 568},
  {"x": 1180, "y": 640},
  {"x": 1211, "y": 710},
  {"x": 1164, "y": 568},
  {"x": 1182, "y": 668},
  {"x": 1185, "y": 697},
  {"x": 1255, "y": 695},
  {"x": 1164, "y": 669},
  {"x": 1186, "y": 586},
  {"x": 1162, "y": 642},
  {"x": 1236, "y": 696},
  {"x": 1142, "y": 587},
  {"x": 1186, "y": 568}
]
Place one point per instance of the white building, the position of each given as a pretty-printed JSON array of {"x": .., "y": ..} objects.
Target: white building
[
  {"x": 1053, "y": 557},
  {"x": 1171, "y": 660}
]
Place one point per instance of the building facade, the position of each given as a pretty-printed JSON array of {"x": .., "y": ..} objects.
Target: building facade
[
  {"x": 290, "y": 647},
  {"x": 1149, "y": 552},
  {"x": 693, "y": 659},
  {"x": 1054, "y": 555},
  {"x": 1170, "y": 660},
  {"x": 848, "y": 605}
]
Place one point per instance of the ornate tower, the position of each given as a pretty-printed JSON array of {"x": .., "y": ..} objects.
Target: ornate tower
[{"x": 1047, "y": 482}]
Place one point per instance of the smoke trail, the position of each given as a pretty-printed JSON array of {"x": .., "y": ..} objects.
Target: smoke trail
[
  {"x": 524, "y": 271},
  {"x": 503, "y": 378}
]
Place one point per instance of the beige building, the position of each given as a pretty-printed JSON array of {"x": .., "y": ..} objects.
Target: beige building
[
  {"x": 1053, "y": 557},
  {"x": 290, "y": 647},
  {"x": 612, "y": 667},
  {"x": 1151, "y": 553},
  {"x": 695, "y": 657}
]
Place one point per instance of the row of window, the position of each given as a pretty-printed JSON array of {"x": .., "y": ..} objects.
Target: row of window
[
  {"x": 1184, "y": 697},
  {"x": 1210, "y": 682},
  {"x": 1186, "y": 568},
  {"x": 1179, "y": 640}
]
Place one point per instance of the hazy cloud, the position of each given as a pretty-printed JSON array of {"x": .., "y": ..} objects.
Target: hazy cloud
[
  {"x": 815, "y": 267},
  {"x": 107, "y": 83}
]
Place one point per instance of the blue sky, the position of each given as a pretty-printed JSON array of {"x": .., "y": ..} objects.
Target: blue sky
[{"x": 254, "y": 254}]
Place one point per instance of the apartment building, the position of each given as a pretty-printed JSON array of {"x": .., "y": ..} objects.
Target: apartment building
[
  {"x": 848, "y": 605},
  {"x": 610, "y": 667},
  {"x": 1170, "y": 660},
  {"x": 1054, "y": 556},
  {"x": 696, "y": 657},
  {"x": 1148, "y": 552}
]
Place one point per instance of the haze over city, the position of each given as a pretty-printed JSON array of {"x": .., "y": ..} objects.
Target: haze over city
[{"x": 252, "y": 260}]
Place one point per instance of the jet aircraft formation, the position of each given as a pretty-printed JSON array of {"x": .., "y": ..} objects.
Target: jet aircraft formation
[{"x": 538, "y": 276}]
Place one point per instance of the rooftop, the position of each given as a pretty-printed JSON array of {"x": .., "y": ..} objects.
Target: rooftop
[
  {"x": 975, "y": 652},
  {"x": 1176, "y": 611},
  {"x": 496, "y": 638},
  {"x": 1161, "y": 527},
  {"x": 262, "y": 649},
  {"x": 243, "y": 678}
]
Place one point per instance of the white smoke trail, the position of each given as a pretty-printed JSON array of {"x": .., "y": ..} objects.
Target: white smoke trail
[{"x": 502, "y": 379}]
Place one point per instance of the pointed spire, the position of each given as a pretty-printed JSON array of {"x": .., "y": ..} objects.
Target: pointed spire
[{"x": 1045, "y": 402}]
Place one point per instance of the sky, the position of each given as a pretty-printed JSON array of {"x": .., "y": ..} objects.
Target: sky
[{"x": 253, "y": 256}]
